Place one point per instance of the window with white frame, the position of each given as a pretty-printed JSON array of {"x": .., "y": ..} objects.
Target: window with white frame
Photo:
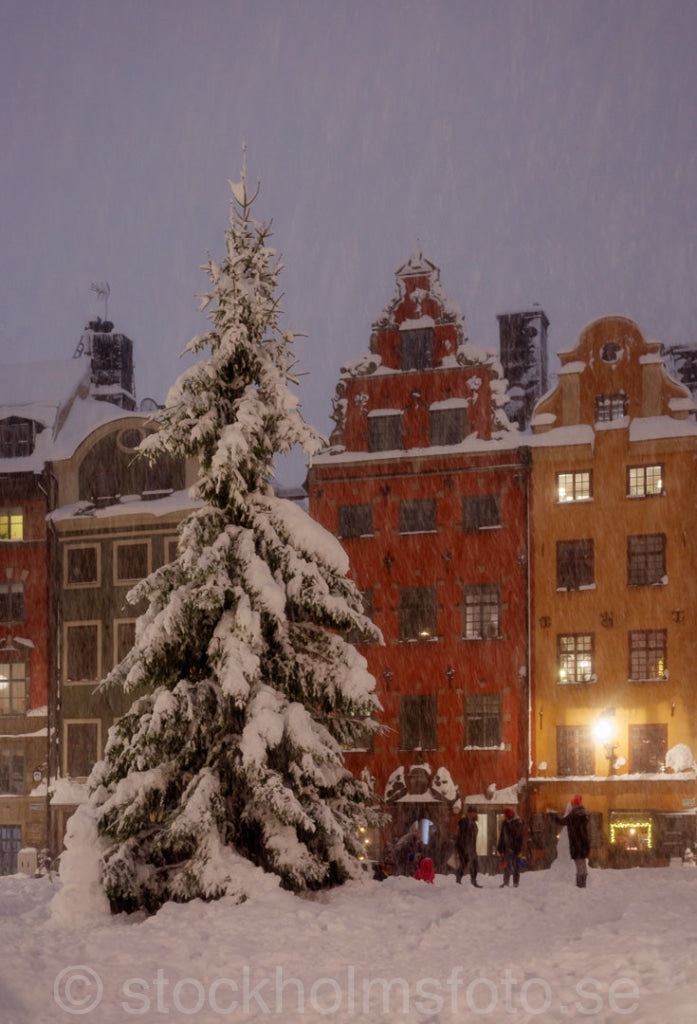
[
  {"x": 131, "y": 561},
  {"x": 482, "y": 611},
  {"x": 11, "y": 524},
  {"x": 82, "y": 566},
  {"x": 575, "y": 485},
  {"x": 648, "y": 654},
  {"x": 645, "y": 481},
  {"x": 81, "y": 652},
  {"x": 14, "y": 683},
  {"x": 610, "y": 407},
  {"x": 575, "y": 658},
  {"x": 646, "y": 559}
]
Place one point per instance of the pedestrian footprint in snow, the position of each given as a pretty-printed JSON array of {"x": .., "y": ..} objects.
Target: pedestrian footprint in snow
[{"x": 509, "y": 846}]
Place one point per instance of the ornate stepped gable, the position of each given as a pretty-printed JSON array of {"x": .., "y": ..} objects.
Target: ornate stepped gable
[{"x": 419, "y": 332}]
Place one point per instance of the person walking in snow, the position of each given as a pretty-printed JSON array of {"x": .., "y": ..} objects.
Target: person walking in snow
[
  {"x": 577, "y": 821},
  {"x": 466, "y": 845},
  {"x": 509, "y": 846}
]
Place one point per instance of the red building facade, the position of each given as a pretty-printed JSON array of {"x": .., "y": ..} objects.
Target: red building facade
[{"x": 426, "y": 486}]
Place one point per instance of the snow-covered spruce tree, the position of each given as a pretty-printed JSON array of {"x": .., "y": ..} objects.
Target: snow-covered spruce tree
[{"x": 233, "y": 753}]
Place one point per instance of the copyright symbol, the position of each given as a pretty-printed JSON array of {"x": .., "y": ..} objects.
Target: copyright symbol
[{"x": 78, "y": 989}]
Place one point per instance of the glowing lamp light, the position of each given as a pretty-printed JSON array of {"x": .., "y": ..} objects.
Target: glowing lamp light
[{"x": 602, "y": 730}]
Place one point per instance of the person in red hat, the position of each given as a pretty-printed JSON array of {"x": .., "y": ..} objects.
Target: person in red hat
[
  {"x": 577, "y": 823},
  {"x": 509, "y": 846}
]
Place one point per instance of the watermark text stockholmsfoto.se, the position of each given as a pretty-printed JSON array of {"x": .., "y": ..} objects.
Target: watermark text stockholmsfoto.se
[{"x": 79, "y": 990}]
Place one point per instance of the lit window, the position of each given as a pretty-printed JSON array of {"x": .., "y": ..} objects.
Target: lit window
[
  {"x": 575, "y": 658},
  {"x": 646, "y": 559},
  {"x": 14, "y": 685},
  {"x": 648, "y": 654},
  {"x": 482, "y": 611},
  {"x": 417, "y": 613},
  {"x": 644, "y": 481},
  {"x": 610, "y": 407},
  {"x": 11, "y": 524},
  {"x": 575, "y": 486}
]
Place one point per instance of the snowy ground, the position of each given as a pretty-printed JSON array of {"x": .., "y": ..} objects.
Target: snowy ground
[{"x": 398, "y": 951}]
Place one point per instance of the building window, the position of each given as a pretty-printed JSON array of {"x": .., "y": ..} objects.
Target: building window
[
  {"x": 104, "y": 488},
  {"x": 158, "y": 478},
  {"x": 610, "y": 407},
  {"x": 483, "y": 720},
  {"x": 575, "y": 750},
  {"x": 575, "y": 486},
  {"x": 10, "y": 845},
  {"x": 417, "y": 613},
  {"x": 481, "y": 511},
  {"x": 14, "y": 685},
  {"x": 358, "y": 636},
  {"x": 12, "y": 773},
  {"x": 355, "y": 521},
  {"x": 132, "y": 561},
  {"x": 647, "y": 748},
  {"x": 648, "y": 649},
  {"x": 447, "y": 426},
  {"x": 82, "y": 566},
  {"x": 575, "y": 658},
  {"x": 82, "y": 662},
  {"x": 124, "y": 638},
  {"x": 644, "y": 481},
  {"x": 416, "y": 349},
  {"x": 11, "y": 524},
  {"x": 17, "y": 438},
  {"x": 364, "y": 741},
  {"x": 418, "y": 724},
  {"x": 171, "y": 545},
  {"x": 646, "y": 559},
  {"x": 482, "y": 611},
  {"x": 12, "y": 602},
  {"x": 385, "y": 432},
  {"x": 81, "y": 748},
  {"x": 417, "y": 516},
  {"x": 575, "y": 564}
]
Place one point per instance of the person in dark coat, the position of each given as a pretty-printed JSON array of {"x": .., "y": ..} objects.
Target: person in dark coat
[
  {"x": 466, "y": 846},
  {"x": 577, "y": 823},
  {"x": 509, "y": 846}
]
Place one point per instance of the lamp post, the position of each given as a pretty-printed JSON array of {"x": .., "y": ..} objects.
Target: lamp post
[{"x": 604, "y": 730}]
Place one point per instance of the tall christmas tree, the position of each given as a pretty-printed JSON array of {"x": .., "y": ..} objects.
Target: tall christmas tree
[{"x": 234, "y": 753}]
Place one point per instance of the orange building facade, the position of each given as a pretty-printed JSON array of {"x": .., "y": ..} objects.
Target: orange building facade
[
  {"x": 615, "y": 599},
  {"x": 426, "y": 485}
]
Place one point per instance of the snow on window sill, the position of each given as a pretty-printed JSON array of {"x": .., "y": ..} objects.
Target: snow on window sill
[
  {"x": 574, "y": 501},
  {"x": 414, "y": 533},
  {"x": 498, "y": 746},
  {"x": 481, "y": 636}
]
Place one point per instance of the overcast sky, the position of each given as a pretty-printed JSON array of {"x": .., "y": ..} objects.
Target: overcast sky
[{"x": 538, "y": 150}]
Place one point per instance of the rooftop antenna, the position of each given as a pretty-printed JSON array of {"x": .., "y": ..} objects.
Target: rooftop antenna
[{"x": 103, "y": 291}]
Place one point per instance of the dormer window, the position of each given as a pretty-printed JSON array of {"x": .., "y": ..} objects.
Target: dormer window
[
  {"x": 17, "y": 437},
  {"x": 610, "y": 352},
  {"x": 610, "y": 407},
  {"x": 416, "y": 349}
]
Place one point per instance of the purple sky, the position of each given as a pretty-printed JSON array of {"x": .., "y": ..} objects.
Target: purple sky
[{"x": 539, "y": 150}]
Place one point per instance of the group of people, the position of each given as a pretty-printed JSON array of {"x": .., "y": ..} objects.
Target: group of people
[{"x": 510, "y": 843}]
